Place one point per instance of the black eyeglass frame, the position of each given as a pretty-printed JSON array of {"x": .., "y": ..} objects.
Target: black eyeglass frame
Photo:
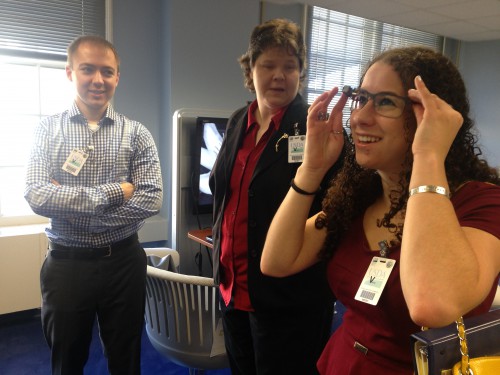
[{"x": 351, "y": 93}]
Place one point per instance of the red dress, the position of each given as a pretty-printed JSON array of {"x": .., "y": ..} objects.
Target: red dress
[{"x": 385, "y": 329}]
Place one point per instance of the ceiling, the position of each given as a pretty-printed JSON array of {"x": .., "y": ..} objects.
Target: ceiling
[{"x": 467, "y": 20}]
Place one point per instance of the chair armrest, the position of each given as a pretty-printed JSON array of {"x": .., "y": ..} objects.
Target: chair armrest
[{"x": 179, "y": 277}]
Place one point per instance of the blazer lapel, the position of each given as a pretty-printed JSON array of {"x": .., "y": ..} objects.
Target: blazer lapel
[
  {"x": 277, "y": 146},
  {"x": 234, "y": 134}
]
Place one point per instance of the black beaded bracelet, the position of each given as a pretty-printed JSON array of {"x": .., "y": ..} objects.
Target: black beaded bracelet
[{"x": 303, "y": 192}]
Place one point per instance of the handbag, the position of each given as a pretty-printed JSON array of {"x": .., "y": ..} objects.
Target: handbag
[
  {"x": 474, "y": 366},
  {"x": 438, "y": 351}
]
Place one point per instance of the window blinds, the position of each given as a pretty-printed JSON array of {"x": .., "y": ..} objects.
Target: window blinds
[
  {"x": 44, "y": 28},
  {"x": 340, "y": 45}
]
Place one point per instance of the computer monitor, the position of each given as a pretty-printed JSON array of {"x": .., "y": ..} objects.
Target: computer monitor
[{"x": 209, "y": 134}]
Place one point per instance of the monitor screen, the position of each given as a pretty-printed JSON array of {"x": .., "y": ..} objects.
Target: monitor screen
[{"x": 209, "y": 134}]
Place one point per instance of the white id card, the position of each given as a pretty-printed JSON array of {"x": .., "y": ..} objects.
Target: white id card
[
  {"x": 75, "y": 161},
  {"x": 296, "y": 145},
  {"x": 374, "y": 281}
]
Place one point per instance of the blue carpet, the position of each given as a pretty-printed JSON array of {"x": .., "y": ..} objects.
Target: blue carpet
[{"x": 23, "y": 351}]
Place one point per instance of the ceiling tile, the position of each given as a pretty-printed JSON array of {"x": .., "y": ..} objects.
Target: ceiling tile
[{"x": 469, "y": 20}]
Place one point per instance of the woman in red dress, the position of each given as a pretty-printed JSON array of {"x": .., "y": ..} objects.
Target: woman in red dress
[{"x": 410, "y": 223}]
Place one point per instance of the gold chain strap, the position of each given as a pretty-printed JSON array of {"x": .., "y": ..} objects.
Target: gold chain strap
[{"x": 463, "y": 347}]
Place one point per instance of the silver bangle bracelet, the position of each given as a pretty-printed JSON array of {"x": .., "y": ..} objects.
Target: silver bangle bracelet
[{"x": 430, "y": 189}]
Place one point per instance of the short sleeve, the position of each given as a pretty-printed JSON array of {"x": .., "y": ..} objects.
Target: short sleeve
[{"x": 477, "y": 205}]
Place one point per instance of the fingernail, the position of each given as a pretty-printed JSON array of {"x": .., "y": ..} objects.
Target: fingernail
[{"x": 419, "y": 78}]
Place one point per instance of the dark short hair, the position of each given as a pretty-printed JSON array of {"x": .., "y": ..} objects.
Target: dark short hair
[
  {"x": 277, "y": 32},
  {"x": 91, "y": 39}
]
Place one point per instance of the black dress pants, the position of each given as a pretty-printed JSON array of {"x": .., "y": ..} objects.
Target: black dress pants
[
  {"x": 76, "y": 291},
  {"x": 278, "y": 342}
]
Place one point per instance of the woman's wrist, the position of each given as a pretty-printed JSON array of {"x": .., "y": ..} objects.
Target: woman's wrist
[
  {"x": 301, "y": 191},
  {"x": 308, "y": 180},
  {"x": 430, "y": 189},
  {"x": 428, "y": 172},
  {"x": 427, "y": 161}
]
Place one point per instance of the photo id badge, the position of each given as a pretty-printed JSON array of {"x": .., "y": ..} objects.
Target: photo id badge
[
  {"x": 374, "y": 281},
  {"x": 296, "y": 145},
  {"x": 75, "y": 161}
]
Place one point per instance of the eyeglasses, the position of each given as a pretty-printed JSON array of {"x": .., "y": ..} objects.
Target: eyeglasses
[{"x": 385, "y": 104}]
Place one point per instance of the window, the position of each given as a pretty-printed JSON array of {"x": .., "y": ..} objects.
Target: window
[
  {"x": 340, "y": 45},
  {"x": 31, "y": 89},
  {"x": 34, "y": 36}
]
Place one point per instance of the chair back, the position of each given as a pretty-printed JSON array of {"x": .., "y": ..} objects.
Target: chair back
[
  {"x": 182, "y": 318},
  {"x": 163, "y": 252}
]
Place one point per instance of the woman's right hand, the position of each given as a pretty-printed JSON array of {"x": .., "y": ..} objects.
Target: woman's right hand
[
  {"x": 324, "y": 137},
  {"x": 293, "y": 242}
]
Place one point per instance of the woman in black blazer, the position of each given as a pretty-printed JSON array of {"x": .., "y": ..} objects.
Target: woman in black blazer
[{"x": 271, "y": 325}]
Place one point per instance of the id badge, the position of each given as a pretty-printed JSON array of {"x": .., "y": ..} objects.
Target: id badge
[
  {"x": 75, "y": 161},
  {"x": 374, "y": 281},
  {"x": 296, "y": 145}
]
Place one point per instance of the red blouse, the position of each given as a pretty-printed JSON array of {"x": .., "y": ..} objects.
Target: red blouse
[
  {"x": 385, "y": 329},
  {"x": 234, "y": 242}
]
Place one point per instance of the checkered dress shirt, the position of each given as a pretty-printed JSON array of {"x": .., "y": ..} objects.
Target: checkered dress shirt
[{"x": 88, "y": 210}]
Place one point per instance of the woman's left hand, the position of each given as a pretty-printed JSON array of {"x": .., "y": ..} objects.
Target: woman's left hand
[{"x": 437, "y": 122}]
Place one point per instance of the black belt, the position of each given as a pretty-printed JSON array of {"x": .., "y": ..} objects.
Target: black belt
[{"x": 67, "y": 252}]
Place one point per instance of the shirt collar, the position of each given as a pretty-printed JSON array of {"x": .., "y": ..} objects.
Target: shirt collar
[
  {"x": 109, "y": 117},
  {"x": 275, "y": 120}
]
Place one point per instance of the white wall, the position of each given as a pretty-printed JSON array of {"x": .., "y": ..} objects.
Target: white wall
[
  {"x": 207, "y": 37},
  {"x": 21, "y": 256},
  {"x": 479, "y": 63},
  {"x": 180, "y": 54}
]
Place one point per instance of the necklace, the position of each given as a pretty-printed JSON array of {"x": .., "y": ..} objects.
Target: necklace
[{"x": 384, "y": 248}]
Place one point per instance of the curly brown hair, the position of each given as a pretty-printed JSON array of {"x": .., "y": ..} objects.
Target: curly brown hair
[
  {"x": 355, "y": 188},
  {"x": 277, "y": 32}
]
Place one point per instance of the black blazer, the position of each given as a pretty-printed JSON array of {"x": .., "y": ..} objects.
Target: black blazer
[{"x": 268, "y": 187}]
